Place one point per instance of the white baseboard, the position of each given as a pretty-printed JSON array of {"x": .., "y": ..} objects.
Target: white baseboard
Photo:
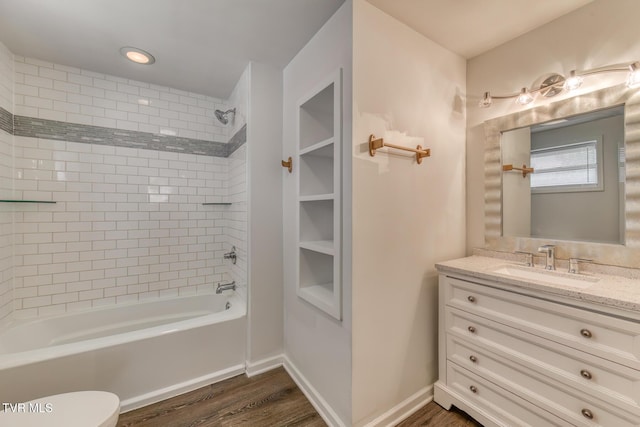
[
  {"x": 264, "y": 365},
  {"x": 317, "y": 401},
  {"x": 176, "y": 389},
  {"x": 404, "y": 409}
]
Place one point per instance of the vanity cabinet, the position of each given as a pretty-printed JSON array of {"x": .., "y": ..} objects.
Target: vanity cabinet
[{"x": 514, "y": 357}]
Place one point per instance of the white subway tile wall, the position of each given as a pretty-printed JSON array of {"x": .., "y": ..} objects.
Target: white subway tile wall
[
  {"x": 128, "y": 225},
  {"x": 6, "y": 78},
  {"x": 6, "y": 227},
  {"x": 236, "y": 216},
  {"x": 56, "y": 92},
  {"x": 6, "y": 209}
]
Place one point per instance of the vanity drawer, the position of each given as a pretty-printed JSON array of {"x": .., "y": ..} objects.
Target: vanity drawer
[
  {"x": 605, "y": 336},
  {"x": 550, "y": 395},
  {"x": 509, "y": 408},
  {"x": 608, "y": 381}
]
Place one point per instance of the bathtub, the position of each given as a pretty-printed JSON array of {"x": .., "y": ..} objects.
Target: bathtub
[{"x": 143, "y": 352}]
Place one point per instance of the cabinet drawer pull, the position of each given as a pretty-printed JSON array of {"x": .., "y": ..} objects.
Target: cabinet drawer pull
[
  {"x": 586, "y": 333},
  {"x": 471, "y": 298},
  {"x": 475, "y": 390},
  {"x": 587, "y": 414},
  {"x": 473, "y": 358},
  {"x": 472, "y": 329},
  {"x": 586, "y": 374}
]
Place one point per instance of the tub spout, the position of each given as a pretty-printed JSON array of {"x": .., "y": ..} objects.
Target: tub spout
[{"x": 225, "y": 287}]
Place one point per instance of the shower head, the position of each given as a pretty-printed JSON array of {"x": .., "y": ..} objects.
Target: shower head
[{"x": 222, "y": 115}]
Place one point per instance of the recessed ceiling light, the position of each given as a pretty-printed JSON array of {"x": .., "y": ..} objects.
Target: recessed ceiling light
[{"x": 138, "y": 56}]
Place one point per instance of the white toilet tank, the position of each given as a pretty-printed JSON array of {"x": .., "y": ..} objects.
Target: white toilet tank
[{"x": 77, "y": 409}]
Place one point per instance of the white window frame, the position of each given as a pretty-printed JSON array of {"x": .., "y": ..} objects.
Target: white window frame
[{"x": 599, "y": 186}]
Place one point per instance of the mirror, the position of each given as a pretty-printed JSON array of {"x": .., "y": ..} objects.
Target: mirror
[
  {"x": 629, "y": 236},
  {"x": 576, "y": 188}
]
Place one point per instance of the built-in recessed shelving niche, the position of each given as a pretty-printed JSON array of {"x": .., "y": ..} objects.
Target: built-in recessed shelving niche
[
  {"x": 317, "y": 117},
  {"x": 318, "y": 220},
  {"x": 316, "y": 170}
]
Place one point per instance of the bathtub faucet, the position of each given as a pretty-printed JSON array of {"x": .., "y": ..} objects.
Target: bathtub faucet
[
  {"x": 225, "y": 287},
  {"x": 231, "y": 255}
]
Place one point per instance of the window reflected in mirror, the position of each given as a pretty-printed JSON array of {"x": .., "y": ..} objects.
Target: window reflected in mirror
[{"x": 576, "y": 191}]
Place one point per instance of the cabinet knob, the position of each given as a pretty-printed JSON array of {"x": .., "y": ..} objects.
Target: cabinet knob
[
  {"x": 586, "y": 374},
  {"x": 587, "y": 414},
  {"x": 288, "y": 164},
  {"x": 473, "y": 358},
  {"x": 475, "y": 390},
  {"x": 472, "y": 329},
  {"x": 471, "y": 298},
  {"x": 586, "y": 333}
]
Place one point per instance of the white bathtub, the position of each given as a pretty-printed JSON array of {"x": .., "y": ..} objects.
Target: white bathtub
[{"x": 142, "y": 352}]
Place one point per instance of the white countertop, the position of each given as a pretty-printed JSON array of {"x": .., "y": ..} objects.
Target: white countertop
[{"x": 610, "y": 290}]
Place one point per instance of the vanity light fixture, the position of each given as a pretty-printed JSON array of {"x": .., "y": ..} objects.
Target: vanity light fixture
[
  {"x": 634, "y": 75},
  {"x": 486, "y": 100},
  {"x": 556, "y": 83},
  {"x": 524, "y": 97},
  {"x": 136, "y": 55},
  {"x": 573, "y": 82}
]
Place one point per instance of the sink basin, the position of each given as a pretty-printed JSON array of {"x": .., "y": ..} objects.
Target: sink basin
[{"x": 545, "y": 276}]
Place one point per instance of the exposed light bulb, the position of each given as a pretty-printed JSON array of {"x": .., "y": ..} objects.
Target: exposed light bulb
[
  {"x": 573, "y": 82},
  {"x": 525, "y": 97},
  {"x": 633, "y": 80},
  {"x": 485, "y": 102}
]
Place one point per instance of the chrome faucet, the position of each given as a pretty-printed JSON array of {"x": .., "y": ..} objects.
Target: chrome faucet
[
  {"x": 231, "y": 255},
  {"x": 225, "y": 287},
  {"x": 550, "y": 252},
  {"x": 528, "y": 258},
  {"x": 573, "y": 264}
]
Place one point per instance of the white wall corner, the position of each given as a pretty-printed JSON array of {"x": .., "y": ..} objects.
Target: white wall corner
[
  {"x": 264, "y": 365},
  {"x": 404, "y": 409},
  {"x": 317, "y": 401}
]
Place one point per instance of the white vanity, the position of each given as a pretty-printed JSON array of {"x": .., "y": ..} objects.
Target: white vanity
[{"x": 520, "y": 346}]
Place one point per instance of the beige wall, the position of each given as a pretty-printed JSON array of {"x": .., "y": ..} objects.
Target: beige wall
[
  {"x": 601, "y": 33},
  {"x": 406, "y": 216}
]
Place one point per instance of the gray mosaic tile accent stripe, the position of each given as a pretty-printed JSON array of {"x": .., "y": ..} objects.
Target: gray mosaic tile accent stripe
[
  {"x": 6, "y": 120},
  {"x": 237, "y": 140},
  {"x": 53, "y": 129}
]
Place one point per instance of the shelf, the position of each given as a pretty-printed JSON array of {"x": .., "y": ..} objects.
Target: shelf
[
  {"x": 316, "y": 221},
  {"x": 327, "y": 143},
  {"x": 319, "y": 295},
  {"x": 216, "y": 204},
  {"x": 316, "y": 170},
  {"x": 321, "y": 246},
  {"x": 26, "y": 201},
  {"x": 317, "y": 117},
  {"x": 316, "y": 197}
]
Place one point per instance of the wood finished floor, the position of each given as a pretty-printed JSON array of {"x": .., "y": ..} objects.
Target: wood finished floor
[{"x": 269, "y": 399}]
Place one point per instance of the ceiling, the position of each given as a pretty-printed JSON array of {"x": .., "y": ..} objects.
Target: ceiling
[
  {"x": 471, "y": 27},
  {"x": 200, "y": 46},
  {"x": 203, "y": 46}
]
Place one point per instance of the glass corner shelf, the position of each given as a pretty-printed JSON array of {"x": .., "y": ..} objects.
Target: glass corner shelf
[
  {"x": 26, "y": 201},
  {"x": 217, "y": 204}
]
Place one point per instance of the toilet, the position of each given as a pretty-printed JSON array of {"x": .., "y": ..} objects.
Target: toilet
[{"x": 76, "y": 409}]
